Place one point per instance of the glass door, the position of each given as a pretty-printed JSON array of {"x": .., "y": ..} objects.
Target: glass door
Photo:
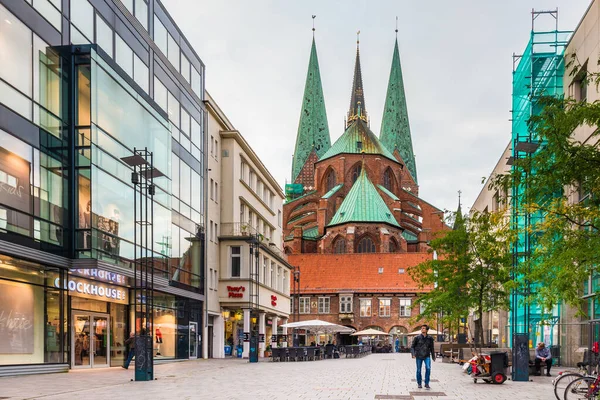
[
  {"x": 91, "y": 333},
  {"x": 81, "y": 341},
  {"x": 193, "y": 340}
]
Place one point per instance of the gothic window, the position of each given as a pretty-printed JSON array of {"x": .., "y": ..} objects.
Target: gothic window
[
  {"x": 388, "y": 180},
  {"x": 366, "y": 245},
  {"x": 339, "y": 246},
  {"x": 356, "y": 172},
  {"x": 330, "y": 180},
  {"x": 393, "y": 246}
]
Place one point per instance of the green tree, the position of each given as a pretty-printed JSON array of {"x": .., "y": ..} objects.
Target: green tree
[
  {"x": 471, "y": 270},
  {"x": 559, "y": 184}
]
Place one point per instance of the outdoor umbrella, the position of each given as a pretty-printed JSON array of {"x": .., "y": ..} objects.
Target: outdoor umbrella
[
  {"x": 370, "y": 332},
  {"x": 318, "y": 326},
  {"x": 429, "y": 332}
]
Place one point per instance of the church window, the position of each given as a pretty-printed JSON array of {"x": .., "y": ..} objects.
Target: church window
[
  {"x": 388, "y": 179},
  {"x": 366, "y": 245},
  {"x": 339, "y": 246},
  {"x": 356, "y": 172},
  {"x": 330, "y": 181}
]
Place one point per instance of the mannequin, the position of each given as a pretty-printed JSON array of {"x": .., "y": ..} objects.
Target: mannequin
[{"x": 158, "y": 336}]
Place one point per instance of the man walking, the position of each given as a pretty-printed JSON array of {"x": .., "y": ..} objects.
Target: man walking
[{"x": 422, "y": 350}]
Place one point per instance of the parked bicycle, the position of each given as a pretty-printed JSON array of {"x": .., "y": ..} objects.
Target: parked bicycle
[{"x": 566, "y": 377}]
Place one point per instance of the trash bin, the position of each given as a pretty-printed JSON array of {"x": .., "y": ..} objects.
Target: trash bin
[
  {"x": 227, "y": 350},
  {"x": 498, "y": 367},
  {"x": 239, "y": 351}
]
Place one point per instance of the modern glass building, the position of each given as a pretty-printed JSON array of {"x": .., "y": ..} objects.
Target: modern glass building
[{"x": 82, "y": 84}]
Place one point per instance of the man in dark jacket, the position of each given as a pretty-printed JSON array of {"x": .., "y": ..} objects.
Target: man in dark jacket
[{"x": 422, "y": 350}]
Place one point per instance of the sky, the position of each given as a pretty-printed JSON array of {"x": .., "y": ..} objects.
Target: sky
[{"x": 456, "y": 60}]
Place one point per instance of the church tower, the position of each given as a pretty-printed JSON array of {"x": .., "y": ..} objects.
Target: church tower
[
  {"x": 395, "y": 128},
  {"x": 312, "y": 140}
]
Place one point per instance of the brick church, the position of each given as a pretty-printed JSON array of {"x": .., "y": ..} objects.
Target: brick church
[{"x": 353, "y": 221}]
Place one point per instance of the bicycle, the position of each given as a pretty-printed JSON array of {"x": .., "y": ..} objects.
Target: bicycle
[
  {"x": 585, "y": 388},
  {"x": 565, "y": 378}
]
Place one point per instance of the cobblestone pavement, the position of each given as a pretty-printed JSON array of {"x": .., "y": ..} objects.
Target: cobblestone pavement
[{"x": 377, "y": 376}]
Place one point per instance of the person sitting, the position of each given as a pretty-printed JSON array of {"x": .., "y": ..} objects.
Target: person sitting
[{"x": 542, "y": 355}]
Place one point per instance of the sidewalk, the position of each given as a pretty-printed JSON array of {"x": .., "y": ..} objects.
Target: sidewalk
[{"x": 377, "y": 376}]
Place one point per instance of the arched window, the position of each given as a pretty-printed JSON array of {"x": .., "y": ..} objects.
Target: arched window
[
  {"x": 365, "y": 245},
  {"x": 388, "y": 179},
  {"x": 356, "y": 172},
  {"x": 393, "y": 245},
  {"x": 339, "y": 245},
  {"x": 330, "y": 181}
]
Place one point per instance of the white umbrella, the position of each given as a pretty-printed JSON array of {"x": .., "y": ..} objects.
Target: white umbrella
[
  {"x": 429, "y": 332},
  {"x": 318, "y": 326},
  {"x": 370, "y": 332}
]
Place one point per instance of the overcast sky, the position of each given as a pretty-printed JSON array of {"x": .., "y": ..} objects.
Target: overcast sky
[{"x": 456, "y": 58}]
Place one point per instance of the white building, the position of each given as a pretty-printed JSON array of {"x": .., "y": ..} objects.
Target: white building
[{"x": 245, "y": 203}]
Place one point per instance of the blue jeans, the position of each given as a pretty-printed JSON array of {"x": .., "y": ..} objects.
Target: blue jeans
[
  {"x": 129, "y": 358},
  {"x": 427, "y": 369}
]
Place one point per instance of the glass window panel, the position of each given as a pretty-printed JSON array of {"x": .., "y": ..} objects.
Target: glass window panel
[
  {"x": 160, "y": 35},
  {"x": 196, "y": 183},
  {"x": 175, "y": 176},
  {"x": 140, "y": 73},
  {"x": 77, "y": 37},
  {"x": 185, "y": 122},
  {"x": 196, "y": 152},
  {"x": 160, "y": 94},
  {"x": 124, "y": 56},
  {"x": 173, "y": 110},
  {"x": 49, "y": 11},
  {"x": 185, "y": 68},
  {"x": 82, "y": 16},
  {"x": 196, "y": 82},
  {"x": 141, "y": 12},
  {"x": 15, "y": 52},
  {"x": 15, "y": 100},
  {"x": 185, "y": 183},
  {"x": 185, "y": 142},
  {"x": 196, "y": 133},
  {"x": 173, "y": 51},
  {"x": 104, "y": 36}
]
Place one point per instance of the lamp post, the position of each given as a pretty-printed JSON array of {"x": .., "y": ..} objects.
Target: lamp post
[
  {"x": 296, "y": 291},
  {"x": 142, "y": 178},
  {"x": 253, "y": 298}
]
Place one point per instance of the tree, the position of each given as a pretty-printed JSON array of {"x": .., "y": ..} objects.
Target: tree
[
  {"x": 471, "y": 270},
  {"x": 560, "y": 184}
]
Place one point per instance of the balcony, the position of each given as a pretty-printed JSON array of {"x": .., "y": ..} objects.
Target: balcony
[{"x": 244, "y": 230}]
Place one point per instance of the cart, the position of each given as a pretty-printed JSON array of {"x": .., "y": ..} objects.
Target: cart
[{"x": 490, "y": 368}]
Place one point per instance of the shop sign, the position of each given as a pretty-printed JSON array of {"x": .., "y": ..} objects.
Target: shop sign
[
  {"x": 246, "y": 336},
  {"x": 261, "y": 337},
  {"x": 274, "y": 300},
  {"x": 101, "y": 275},
  {"x": 236, "y": 291},
  {"x": 93, "y": 290}
]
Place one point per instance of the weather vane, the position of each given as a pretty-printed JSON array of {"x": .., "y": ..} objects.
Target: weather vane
[
  {"x": 313, "y": 18},
  {"x": 396, "y": 25},
  {"x": 357, "y": 37}
]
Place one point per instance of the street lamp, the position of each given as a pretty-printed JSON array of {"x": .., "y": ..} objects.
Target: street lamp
[
  {"x": 142, "y": 178},
  {"x": 296, "y": 291},
  {"x": 253, "y": 299}
]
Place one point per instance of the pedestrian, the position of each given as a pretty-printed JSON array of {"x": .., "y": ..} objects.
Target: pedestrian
[
  {"x": 397, "y": 345},
  {"x": 422, "y": 350},
  {"x": 542, "y": 355},
  {"x": 131, "y": 343}
]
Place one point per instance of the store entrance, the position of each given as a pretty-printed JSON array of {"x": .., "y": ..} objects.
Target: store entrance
[
  {"x": 90, "y": 340},
  {"x": 193, "y": 340}
]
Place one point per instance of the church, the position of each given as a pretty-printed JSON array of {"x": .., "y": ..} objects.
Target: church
[{"x": 353, "y": 220}]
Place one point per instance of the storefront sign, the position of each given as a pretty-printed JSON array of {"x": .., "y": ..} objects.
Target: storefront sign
[
  {"x": 261, "y": 337},
  {"x": 16, "y": 319},
  {"x": 99, "y": 274},
  {"x": 94, "y": 290},
  {"x": 236, "y": 291},
  {"x": 246, "y": 336},
  {"x": 274, "y": 301}
]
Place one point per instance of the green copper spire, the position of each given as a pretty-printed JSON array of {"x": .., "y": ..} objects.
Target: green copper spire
[
  {"x": 313, "y": 130},
  {"x": 363, "y": 204},
  {"x": 357, "y": 98},
  {"x": 395, "y": 129}
]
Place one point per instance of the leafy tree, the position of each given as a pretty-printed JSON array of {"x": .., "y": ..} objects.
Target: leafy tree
[
  {"x": 560, "y": 187},
  {"x": 471, "y": 270}
]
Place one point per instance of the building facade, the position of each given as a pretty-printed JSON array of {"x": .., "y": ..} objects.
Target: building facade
[
  {"x": 490, "y": 199},
  {"x": 248, "y": 282},
  {"x": 82, "y": 85},
  {"x": 353, "y": 220}
]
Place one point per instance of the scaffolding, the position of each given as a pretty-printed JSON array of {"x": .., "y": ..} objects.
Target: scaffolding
[{"x": 538, "y": 72}]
